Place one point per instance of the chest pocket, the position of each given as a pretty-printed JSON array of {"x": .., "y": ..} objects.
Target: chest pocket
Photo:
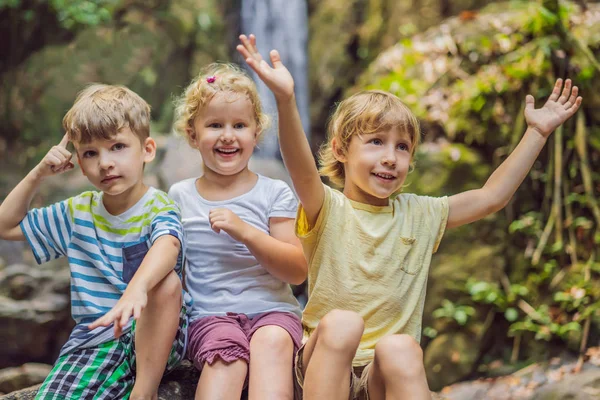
[
  {"x": 409, "y": 264},
  {"x": 132, "y": 259}
]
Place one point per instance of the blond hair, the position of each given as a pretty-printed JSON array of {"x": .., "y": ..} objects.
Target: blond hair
[
  {"x": 364, "y": 113},
  {"x": 212, "y": 79},
  {"x": 101, "y": 111}
]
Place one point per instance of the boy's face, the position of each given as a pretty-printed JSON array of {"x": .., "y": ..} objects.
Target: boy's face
[
  {"x": 116, "y": 166},
  {"x": 376, "y": 165},
  {"x": 225, "y": 133}
]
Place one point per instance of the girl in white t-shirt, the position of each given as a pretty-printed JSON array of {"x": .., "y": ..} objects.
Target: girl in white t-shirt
[{"x": 242, "y": 252}]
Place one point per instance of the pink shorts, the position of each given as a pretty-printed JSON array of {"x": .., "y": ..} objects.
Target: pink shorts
[{"x": 228, "y": 337}]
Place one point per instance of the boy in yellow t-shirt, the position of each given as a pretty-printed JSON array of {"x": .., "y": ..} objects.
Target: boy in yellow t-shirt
[{"x": 368, "y": 249}]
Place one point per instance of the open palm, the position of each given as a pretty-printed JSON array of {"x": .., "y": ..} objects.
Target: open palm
[
  {"x": 557, "y": 109},
  {"x": 277, "y": 78}
]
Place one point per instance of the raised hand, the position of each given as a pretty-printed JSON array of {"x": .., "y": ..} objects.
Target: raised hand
[
  {"x": 277, "y": 78},
  {"x": 223, "y": 219},
  {"x": 131, "y": 304},
  {"x": 556, "y": 111},
  {"x": 57, "y": 160}
]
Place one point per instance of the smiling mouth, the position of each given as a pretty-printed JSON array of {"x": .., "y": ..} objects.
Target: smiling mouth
[
  {"x": 386, "y": 177},
  {"x": 227, "y": 152}
]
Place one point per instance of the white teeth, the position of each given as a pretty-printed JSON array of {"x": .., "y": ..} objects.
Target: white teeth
[
  {"x": 227, "y": 150},
  {"x": 385, "y": 176}
]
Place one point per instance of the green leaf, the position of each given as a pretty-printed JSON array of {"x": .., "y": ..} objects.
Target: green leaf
[{"x": 511, "y": 314}]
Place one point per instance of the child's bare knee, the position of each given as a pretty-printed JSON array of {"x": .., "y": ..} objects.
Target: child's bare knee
[
  {"x": 275, "y": 338},
  {"x": 399, "y": 356},
  {"x": 168, "y": 289},
  {"x": 341, "y": 330}
]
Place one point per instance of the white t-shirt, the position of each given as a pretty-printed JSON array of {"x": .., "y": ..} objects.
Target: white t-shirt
[{"x": 221, "y": 273}]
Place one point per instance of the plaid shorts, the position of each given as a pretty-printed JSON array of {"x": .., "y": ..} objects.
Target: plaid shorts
[{"x": 106, "y": 371}]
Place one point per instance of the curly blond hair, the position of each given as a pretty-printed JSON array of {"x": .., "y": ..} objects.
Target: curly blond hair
[
  {"x": 101, "y": 111},
  {"x": 364, "y": 113},
  {"x": 212, "y": 79}
]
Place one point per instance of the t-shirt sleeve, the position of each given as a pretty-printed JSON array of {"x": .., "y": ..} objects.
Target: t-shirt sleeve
[
  {"x": 435, "y": 217},
  {"x": 303, "y": 228},
  {"x": 48, "y": 230},
  {"x": 284, "y": 204},
  {"x": 167, "y": 221}
]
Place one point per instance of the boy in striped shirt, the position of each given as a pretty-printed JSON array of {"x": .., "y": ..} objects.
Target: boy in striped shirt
[{"x": 124, "y": 245}]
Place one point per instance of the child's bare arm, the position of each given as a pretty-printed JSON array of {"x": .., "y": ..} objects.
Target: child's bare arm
[
  {"x": 473, "y": 205},
  {"x": 14, "y": 208},
  {"x": 295, "y": 149},
  {"x": 158, "y": 262},
  {"x": 280, "y": 253}
]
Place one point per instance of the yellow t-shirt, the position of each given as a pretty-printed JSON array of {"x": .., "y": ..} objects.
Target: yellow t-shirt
[{"x": 373, "y": 261}]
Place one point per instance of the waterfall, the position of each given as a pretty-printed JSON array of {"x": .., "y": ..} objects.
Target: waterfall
[{"x": 281, "y": 25}]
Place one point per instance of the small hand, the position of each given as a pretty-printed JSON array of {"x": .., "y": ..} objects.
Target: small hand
[
  {"x": 130, "y": 304},
  {"x": 556, "y": 111},
  {"x": 226, "y": 220},
  {"x": 278, "y": 78},
  {"x": 57, "y": 160}
]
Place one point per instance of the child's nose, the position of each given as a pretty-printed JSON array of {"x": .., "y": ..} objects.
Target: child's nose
[
  {"x": 389, "y": 158},
  {"x": 227, "y": 135},
  {"x": 106, "y": 161}
]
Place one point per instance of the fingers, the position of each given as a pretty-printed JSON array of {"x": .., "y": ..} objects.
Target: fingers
[
  {"x": 64, "y": 168},
  {"x": 556, "y": 91},
  {"x": 216, "y": 227},
  {"x": 572, "y": 106},
  {"x": 275, "y": 59},
  {"x": 64, "y": 141},
  {"x": 59, "y": 158},
  {"x": 529, "y": 102},
  {"x": 216, "y": 219},
  {"x": 249, "y": 45},
  {"x": 244, "y": 52},
  {"x": 253, "y": 42},
  {"x": 118, "y": 330},
  {"x": 125, "y": 315},
  {"x": 106, "y": 320},
  {"x": 137, "y": 311},
  {"x": 565, "y": 93},
  {"x": 572, "y": 97}
]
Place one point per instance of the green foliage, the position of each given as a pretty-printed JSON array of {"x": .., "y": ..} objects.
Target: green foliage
[
  {"x": 74, "y": 13},
  {"x": 473, "y": 87},
  {"x": 458, "y": 313},
  {"x": 71, "y": 14}
]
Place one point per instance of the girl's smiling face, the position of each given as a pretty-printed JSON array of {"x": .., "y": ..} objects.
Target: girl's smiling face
[{"x": 225, "y": 132}]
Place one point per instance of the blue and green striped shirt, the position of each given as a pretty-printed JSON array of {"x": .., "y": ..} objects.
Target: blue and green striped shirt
[{"x": 104, "y": 251}]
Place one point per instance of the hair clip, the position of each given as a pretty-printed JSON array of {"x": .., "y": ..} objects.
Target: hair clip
[{"x": 211, "y": 79}]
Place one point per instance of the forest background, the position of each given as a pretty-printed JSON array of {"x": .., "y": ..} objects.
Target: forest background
[{"x": 518, "y": 287}]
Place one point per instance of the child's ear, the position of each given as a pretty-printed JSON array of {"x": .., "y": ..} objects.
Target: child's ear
[
  {"x": 257, "y": 135},
  {"x": 191, "y": 134},
  {"x": 149, "y": 149},
  {"x": 338, "y": 152}
]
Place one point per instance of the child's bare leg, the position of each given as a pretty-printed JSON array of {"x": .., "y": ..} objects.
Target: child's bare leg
[
  {"x": 271, "y": 364},
  {"x": 154, "y": 335},
  {"x": 222, "y": 381},
  {"x": 398, "y": 372},
  {"x": 328, "y": 354}
]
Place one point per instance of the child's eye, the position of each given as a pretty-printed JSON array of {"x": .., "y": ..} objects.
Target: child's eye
[
  {"x": 239, "y": 126},
  {"x": 118, "y": 146},
  {"x": 403, "y": 147},
  {"x": 376, "y": 142},
  {"x": 88, "y": 154},
  {"x": 214, "y": 125}
]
